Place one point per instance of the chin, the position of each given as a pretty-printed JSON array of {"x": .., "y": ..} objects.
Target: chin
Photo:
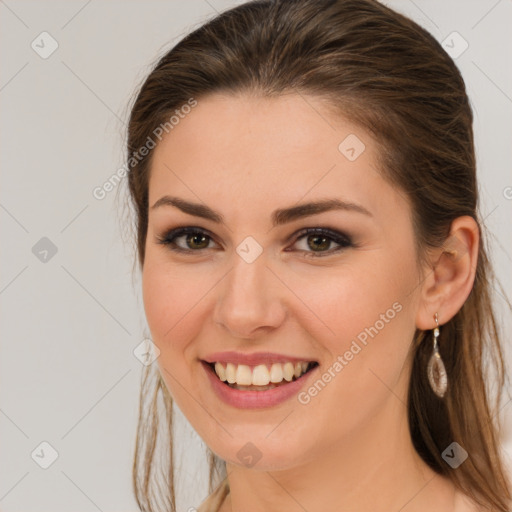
[{"x": 260, "y": 453}]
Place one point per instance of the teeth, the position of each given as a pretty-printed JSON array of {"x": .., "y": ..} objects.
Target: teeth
[
  {"x": 276, "y": 372},
  {"x": 243, "y": 375},
  {"x": 260, "y": 375},
  {"x": 288, "y": 370},
  {"x": 220, "y": 371},
  {"x": 231, "y": 373}
]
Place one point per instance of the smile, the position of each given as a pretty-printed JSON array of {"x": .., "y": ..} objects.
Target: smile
[
  {"x": 260, "y": 377},
  {"x": 283, "y": 381}
]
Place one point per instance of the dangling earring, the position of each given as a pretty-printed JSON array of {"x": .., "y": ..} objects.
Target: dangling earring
[{"x": 436, "y": 371}]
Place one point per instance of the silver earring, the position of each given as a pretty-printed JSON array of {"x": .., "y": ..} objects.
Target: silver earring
[{"x": 436, "y": 371}]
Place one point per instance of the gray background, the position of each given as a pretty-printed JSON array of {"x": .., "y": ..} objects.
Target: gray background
[{"x": 71, "y": 320}]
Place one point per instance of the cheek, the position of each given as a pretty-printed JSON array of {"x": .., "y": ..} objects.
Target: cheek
[
  {"x": 169, "y": 308},
  {"x": 344, "y": 302},
  {"x": 169, "y": 305},
  {"x": 158, "y": 299},
  {"x": 373, "y": 318},
  {"x": 367, "y": 318}
]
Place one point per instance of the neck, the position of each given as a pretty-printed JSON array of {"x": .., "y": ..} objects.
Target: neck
[{"x": 374, "y": 469}]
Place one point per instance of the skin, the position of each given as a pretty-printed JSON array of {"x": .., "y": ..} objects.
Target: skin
[{"x": 349, "y": 448}]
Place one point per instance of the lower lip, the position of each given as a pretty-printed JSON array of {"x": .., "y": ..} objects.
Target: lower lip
[{"x": 255, "y": 399}]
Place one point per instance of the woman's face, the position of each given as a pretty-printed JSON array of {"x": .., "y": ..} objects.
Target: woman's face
[{"x": 254, "y": 283}]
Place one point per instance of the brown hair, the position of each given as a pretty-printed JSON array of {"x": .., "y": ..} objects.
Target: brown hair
[{"x": 388, "y": 75}]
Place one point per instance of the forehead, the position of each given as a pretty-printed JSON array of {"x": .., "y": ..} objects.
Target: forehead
[{"x": 245, "y": 150}]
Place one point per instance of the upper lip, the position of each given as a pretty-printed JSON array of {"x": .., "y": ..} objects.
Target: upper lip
[{"x": 253, "y": 359}]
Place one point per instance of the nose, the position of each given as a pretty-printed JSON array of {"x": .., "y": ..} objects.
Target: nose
[{"x": 248, "y": 302}]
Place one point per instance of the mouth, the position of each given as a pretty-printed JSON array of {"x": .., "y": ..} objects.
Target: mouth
[{"x": 260, "y": 377}]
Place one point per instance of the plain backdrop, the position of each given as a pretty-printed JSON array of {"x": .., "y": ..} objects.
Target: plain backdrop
[{"x": 70, "y": 315}]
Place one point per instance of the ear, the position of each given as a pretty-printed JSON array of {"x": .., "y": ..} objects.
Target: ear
[{"x": 449, "y": 280}]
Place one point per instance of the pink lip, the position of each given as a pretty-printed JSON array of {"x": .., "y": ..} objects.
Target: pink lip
[
  {"x": 252, "y": 359},
  {"x": 256, "y": 399}
]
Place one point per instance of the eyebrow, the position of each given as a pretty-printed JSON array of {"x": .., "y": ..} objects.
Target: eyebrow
[{"x": 279, "y": 216}]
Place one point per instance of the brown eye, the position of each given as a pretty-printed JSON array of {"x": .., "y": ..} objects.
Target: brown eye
[
  {"x": 318, "y": 240},
  {"x": 195, "y": 239},
  {"x": 199, "y": 239}
]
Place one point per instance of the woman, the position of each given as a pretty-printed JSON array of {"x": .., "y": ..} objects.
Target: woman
[{"x": 314, "y": 268}]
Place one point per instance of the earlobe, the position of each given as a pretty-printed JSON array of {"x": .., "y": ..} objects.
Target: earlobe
[{"x": 450, "y": 279}]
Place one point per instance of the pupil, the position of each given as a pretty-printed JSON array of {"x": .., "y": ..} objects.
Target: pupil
[
  {"x": 322, "y": 246},
  {"x": 196, "y": 236}
]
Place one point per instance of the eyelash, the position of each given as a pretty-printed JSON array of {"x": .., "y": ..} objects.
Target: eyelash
[{"x": 341, "y": 239}]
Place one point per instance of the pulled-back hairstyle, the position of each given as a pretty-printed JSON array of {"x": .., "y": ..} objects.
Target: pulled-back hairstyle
[{"x": 383, "y": 72}]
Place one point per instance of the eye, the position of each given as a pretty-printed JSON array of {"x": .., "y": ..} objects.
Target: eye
[
  {"x": 197, "y": 239},
  {"x": 321, "y": 238}
]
